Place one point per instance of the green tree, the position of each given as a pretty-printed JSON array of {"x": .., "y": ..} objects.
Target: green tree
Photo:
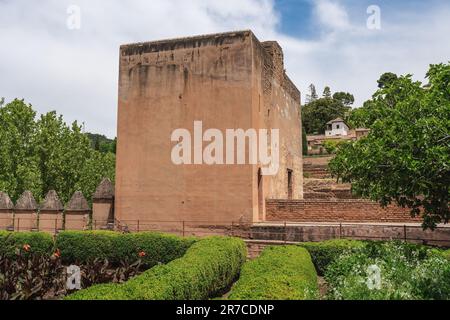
[
  {"x": 366, "y": 116},
  {"x": 102, "y": 143},
  {"x": 331, "y": 146},
  {"x": 304, "y": 142},
  {"x": 406, "y": 157},
  {"x": 317, "y": 113},
  {"x": 387, "y": 79},
  {"x": 346, "y": 98},
  {"x": 327, "y": 93},
  {"x": 45, "y": 154},
  {"x": 19, "y": 169},
  {"x": 312, "y": 96},
  {"x": 97, "y": 167}
]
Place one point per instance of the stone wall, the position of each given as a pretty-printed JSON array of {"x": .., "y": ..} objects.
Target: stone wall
[
  {"x": 52, "y": 216},
  {"x": 227, "y": 81},
  {"x": 335, "y": 210},
  {"x": 313, "y": 232}
]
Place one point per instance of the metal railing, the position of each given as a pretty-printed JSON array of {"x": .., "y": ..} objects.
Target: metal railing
[{"x": 284, "y": 232}]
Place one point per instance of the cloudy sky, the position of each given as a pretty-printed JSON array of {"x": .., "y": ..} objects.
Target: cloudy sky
[{"x": 326, "y": 42}]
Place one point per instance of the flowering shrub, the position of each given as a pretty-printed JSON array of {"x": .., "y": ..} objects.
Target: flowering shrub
[
  {"x": 37, "y": 242},
  {"x": 32, "y": 265},
  {"x": 405, "y": 272},
  {"x": 29, "y": 276}
]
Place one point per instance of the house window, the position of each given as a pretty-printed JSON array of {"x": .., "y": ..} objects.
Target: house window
[{"x": 338, "y": 126}]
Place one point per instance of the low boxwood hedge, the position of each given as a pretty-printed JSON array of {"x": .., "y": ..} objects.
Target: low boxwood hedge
[
  {"x": 38, "y": 242},
  {"x": 280, "y": 273},
  {"x": 208, "y": 268},
  {"x": 324, "y": 253},
  {"x": 446, "y": 254},
  {"x": 84, "y": 246}
]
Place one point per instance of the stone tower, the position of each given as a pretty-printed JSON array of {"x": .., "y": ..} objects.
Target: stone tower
[{"x": 226, "y": 81}]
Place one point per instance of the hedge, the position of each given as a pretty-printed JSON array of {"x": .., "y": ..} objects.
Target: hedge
[
  {"x": 84, "y": 246},
  {"x": 208, "y": 268},
  {"x": 324, "y": 253},
  {"x": 446, "y": 254},
  {"x": 39, "y": 242},
  {"x": 280, "y": 273}
]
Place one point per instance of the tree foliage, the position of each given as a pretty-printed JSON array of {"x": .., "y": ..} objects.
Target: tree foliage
[
  {"x": 312, "y": 96},
  {"x": 387, "y": 79},
  {"x": 304, "y": 142},
  {"x": 365, "y": 116},
  {"x": 346, "y": 98},
  {"x": 44, "y": 154},
  {"x": 406, "y": 157},
  {"x": 327, "y": 92},
  {"x": 331, "y": 146},
  {"x": 318, "y": 112},
  {"x": 102, "y": 143}
]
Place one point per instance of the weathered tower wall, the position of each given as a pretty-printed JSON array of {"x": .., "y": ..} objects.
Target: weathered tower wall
[{"x": 220, "y": 80}]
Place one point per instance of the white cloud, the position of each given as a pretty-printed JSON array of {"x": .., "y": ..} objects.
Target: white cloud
[
  {"x": 76, "y": 72},
  {"x": 353, "y": 58},
  {"x": 331, "y": 15}
]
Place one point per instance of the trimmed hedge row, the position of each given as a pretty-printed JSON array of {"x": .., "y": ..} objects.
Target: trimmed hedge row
[
  {"x": 39, "y": 242},
  {"x": 84, "y": 246},
  {"x": 446, "y": 254},
  {"x": 324, "y": 253},
  {"x": 208, "y": 268},
  {"x": 280, "y": 273}
]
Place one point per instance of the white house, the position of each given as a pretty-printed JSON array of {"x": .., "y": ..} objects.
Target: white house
[{"x": 336, "y": 128}]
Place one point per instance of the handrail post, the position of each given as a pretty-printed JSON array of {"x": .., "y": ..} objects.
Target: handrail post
[
  {"x": 404, "y": 231},
  {"x": 285, "y": 232},
  {"x": 184, "y": 231},
  {"x": 138, "y": 226}
]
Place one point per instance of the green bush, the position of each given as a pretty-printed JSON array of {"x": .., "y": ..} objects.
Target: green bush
[
  {"x": 40, "y": 243},
  {"x": 208, "y": 268},
  {"x": 280, "y": 273},
  {"x": 446, "y": 254},
  {"x": 85, "y": 246},
  {"x": 324, "y": 253},
  {"x": 404, "y": 272}
]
